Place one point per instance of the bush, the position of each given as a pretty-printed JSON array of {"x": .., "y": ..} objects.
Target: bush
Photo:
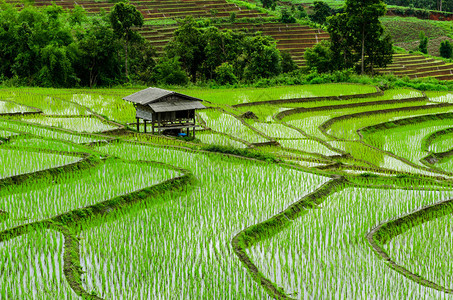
[
  {"x": 300, "y": 13},
  {"x": 286, "y": 17},
  {"x": 319, "y": 57},
  {"x": 225, "y": 74},
  {"x": 446, "y": 49},
  {"x": 269, "y": 4},
  {"x": 169, "y": 71},
  {"x": 321, "y": 11},
  {"x": 423, "y": 46},
  {"x": 288, "y": 64},
  {"x": 232, "y": 17}
]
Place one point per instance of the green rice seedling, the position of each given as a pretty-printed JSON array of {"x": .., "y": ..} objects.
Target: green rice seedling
[
  {"x": 425, "y": 250},
  {"x": 111, "y": 106},
  {"x": 247, "y": 95},
  {"x": 50, "y": 105},
  {"x": 324, "y": 253},
  {"x": 292, "y": 153},
  {"x": 49, "y": 144},
  {"x": 393, "y": 94},
  {"x": 406, "y": 141},
  {"x": 190, "y": 248},
  {"x": 276, "y": 130},
  {"x": 159, "y": 140},
  {"x": 308, "y": 145},
  {"x": 45, "y": 132},
  {"x": 347, "y": 128},
  {"x": 310, "y": 121},
  {"x": 441, "y": 97},
  {"x": 446, "y": 164},
  {"x": 212, "y": 138},
  {"x": 79, "y": 124},
  {"x": 225, "y": 123},
  {"x": 264, "y": 112},
  {"x": 177, "y": 242},
  {"x": 32, "y": 267},
  {"x": 377, "y": 157},
  {"x": 7, "y": 133},
  {"x": 8, "y": 107},
  {"x": 77, "y": 189},
  {"x": 15, "y": 162},
  {"x": 441, "y": 141}
]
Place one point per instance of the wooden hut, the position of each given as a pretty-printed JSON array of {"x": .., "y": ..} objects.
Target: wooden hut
[{"x": 165, "y": 109}]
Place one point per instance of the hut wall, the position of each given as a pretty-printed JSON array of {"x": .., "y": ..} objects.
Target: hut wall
[{"x": 144, "y": 112}]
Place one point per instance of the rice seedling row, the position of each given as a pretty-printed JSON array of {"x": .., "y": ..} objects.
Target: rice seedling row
[
  {"x": 79, "y": 124},
  {"x": 228, "y": 124},
  {"x": 152, "y": 215},
  {"x": 248, "y": 95},
  {"x": 327, "y": 246},
  {"x": 310, "y": 121}
]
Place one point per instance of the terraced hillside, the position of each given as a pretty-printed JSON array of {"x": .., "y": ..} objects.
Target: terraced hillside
[
  {"x": 168, "y": 9},
  {"x": 418, "y": 66},
  {"x": 293, "y": 38},
  {"x": 327, "y": 183}
]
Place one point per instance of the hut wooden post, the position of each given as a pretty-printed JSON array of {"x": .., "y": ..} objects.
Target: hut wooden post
[
  {"x": 138, "y": 124},
  {"x": 144, "y": 121},
  {"x": 194, "y": 124},
  {"x": 158, "y": 122}
]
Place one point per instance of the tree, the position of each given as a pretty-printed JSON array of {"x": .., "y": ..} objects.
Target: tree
[
  {"x": 142, "y": 61},
  {"x": 288, "y": 64},
  {"x": 188, "y": 45},
  {"x": 123, "y": 17},
  {"x": 423, "y": 46},
  {"x": 319, "y": 57},
  {"x": 358, "y": 36},
  {"x": 225, "y": 74},
  {"x": 321, "y": 11},
  {"x": 261, "y": 58},
  {"x": 201, "y": 50},
  {"x": 98, "y": 60},
  {"x": 220, "y": 46},
  {"x": 269, "y": 4},
  {"x": 286, "y": 17},
  {"x": 446, "y": 49},
  {"x": 169, "y": 71}
]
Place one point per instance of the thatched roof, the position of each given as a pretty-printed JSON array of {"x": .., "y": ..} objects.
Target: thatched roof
[
  {"x": 151, "y": 95},
  {"x": 160, "y": 100},
  {"x": 175, "y": 106}
]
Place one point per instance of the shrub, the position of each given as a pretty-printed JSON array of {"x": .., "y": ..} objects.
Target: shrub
[
  {"x": 169, "y": 71},
  {"x": 423, "y": 46},
  {"x": 286, "y": 17},
  {"x": 225, "y": 74},
  {"x": 300, "y": 13},
  {"x": 319, "y": 57},
  {"x": 446, "y": 49},
  {"x": 232, "y": 17},
  {"x": 321, "y": 11},
  {"x": 288, "y": 64},
  {"x": 269, "y": 4}
]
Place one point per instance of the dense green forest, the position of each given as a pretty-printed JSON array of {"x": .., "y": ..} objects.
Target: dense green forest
[{"x": 52, "y": 47}]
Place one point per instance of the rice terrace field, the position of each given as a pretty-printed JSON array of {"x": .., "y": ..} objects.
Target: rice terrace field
[{"x": 331, "y": 191}]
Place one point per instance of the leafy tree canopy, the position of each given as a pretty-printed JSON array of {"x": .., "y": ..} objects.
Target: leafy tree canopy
[{"x": 358, "y": 37}]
